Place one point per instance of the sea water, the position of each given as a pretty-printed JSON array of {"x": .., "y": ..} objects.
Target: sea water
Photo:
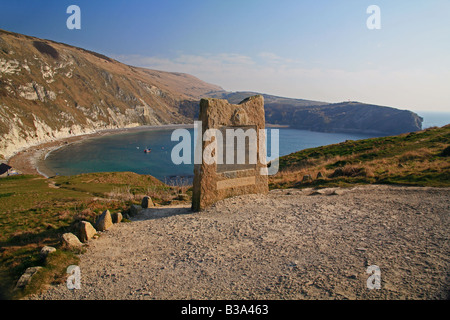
[
  {"x": 125, "y": 152},
  {"x": 434, "y": 119}
]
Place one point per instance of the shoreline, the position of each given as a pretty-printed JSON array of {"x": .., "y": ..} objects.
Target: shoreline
[{"x": 32, "y": 160}]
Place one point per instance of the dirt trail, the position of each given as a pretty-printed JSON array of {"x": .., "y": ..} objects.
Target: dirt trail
[{"x": 288, "y": 244}]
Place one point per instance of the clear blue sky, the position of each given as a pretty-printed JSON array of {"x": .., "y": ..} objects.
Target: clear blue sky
[{"x": 320, "y": 50}]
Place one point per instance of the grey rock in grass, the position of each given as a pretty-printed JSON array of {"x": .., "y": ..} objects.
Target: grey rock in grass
[
  {"x": 116, "y": 217},
  {"x": 135, "y": 209},
  {"x": 147, "y": 202},
  {"x": 25, "y": 279},
  {"x": 45, "y": 251}
]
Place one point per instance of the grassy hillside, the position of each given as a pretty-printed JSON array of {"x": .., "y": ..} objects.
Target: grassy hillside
[
  {"x": 417, "y": 158},
  {"x": 35, "y": 212}
]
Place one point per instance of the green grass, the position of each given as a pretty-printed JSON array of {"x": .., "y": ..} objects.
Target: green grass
[
  {"x": 417, "y": 158},
  {"x": 35, "y": 212},
  {"x": 120, "y": 185}
]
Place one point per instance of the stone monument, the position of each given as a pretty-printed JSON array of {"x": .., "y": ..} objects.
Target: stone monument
[{"x": 238, "y": 148}]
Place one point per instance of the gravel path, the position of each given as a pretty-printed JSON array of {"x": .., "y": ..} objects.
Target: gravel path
[{"x": 289, "y": 244}]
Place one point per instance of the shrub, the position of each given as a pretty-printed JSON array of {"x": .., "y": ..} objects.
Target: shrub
[
  {"x": 419, "y": 154},
  {"x": 46, "y": 49},
  {"x": 351, "y": 171},
  {"x": 446, "y": 152},
  {"x": 122, "y": 193}
]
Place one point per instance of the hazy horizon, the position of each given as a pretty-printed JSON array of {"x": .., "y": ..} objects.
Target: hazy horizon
[{"x": 314, "y": 50}]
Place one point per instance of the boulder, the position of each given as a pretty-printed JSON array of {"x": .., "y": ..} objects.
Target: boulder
[
  {"x": 87, "y": 231},
  {"x": 147, "y": 202},
  {"x": 337, "y": 192},
  {"x": 135, "y": 209},
  {"x": 446, "y": 152},
  {"x": 26, "y": 277},
  {"x": 104, "y": 221},
  {"x": 71, "y": 241},
  {"x": 45, "y": 251},
  {"x": 116, "y": 217}
]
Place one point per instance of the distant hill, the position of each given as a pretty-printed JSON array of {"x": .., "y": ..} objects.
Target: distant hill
[
  {"x": 350, "y": 117},
  {"x": 51, "y": 90}
]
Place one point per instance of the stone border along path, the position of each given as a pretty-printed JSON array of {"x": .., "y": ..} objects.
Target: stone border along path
[{"x": 289, "y": 244}]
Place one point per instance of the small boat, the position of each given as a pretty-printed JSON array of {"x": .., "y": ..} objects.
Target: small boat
[{"x": 147, "y": 150}]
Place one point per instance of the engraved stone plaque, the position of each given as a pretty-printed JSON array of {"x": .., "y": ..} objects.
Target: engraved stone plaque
[
  {"x": 232, "y": 147},
  {"x": 238, "y": 166}
]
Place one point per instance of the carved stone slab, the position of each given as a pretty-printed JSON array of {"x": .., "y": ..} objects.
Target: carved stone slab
[{"x": 213, "y": 182}]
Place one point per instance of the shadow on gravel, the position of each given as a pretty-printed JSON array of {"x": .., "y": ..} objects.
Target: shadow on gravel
[{"x": 162, "y": 212}]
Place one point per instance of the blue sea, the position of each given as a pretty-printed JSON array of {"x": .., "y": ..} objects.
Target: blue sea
[
  {"x": 434, "y": 119},
  {"x": 125, "y": 151}
]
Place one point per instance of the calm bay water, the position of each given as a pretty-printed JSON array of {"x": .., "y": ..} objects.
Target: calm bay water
[{"x": 125, "y": 152}]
